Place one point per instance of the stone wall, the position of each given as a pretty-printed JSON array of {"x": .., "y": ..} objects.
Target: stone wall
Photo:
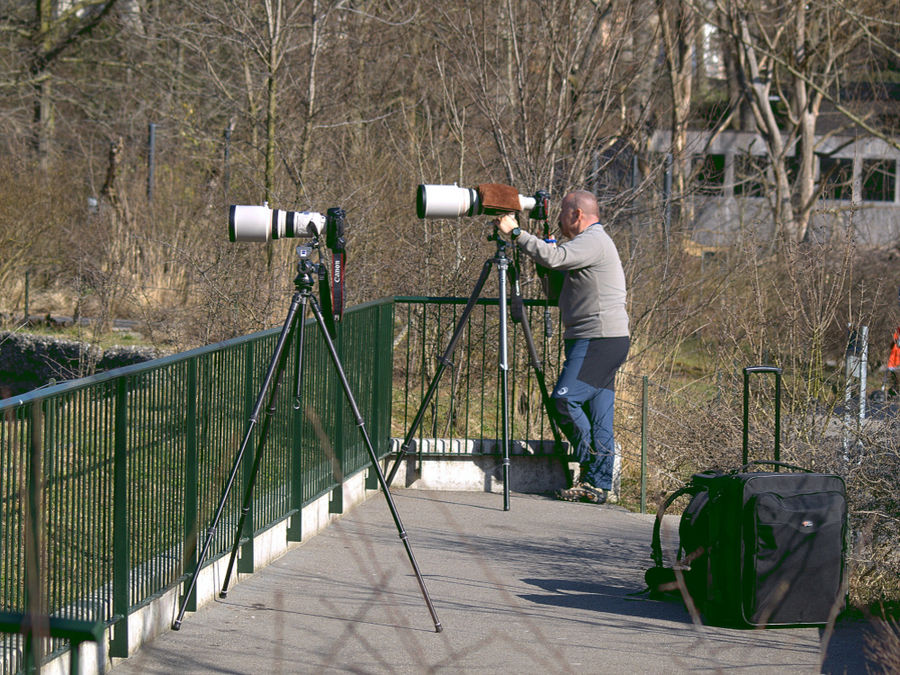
[{"x": 29, "y": 361}]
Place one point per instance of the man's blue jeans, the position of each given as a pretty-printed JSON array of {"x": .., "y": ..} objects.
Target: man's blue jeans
[{"x": 584, "y": 396}]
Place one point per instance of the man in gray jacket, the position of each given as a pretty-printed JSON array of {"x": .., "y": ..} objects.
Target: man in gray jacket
[{"x": 592, "y": 306}]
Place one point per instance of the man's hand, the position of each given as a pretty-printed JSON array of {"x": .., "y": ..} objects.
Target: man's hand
[{"x": 505, "y": 223}]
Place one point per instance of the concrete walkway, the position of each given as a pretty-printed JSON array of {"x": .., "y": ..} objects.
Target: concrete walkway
[{"x": 546, "y": 587}]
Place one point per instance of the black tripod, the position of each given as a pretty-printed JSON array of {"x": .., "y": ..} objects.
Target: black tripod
[
  {"x": 303, "y": 282},
  {"x": 502, "y": 261}
]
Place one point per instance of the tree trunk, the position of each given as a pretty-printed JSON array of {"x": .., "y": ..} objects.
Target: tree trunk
[{"x": 678, "y": 25}]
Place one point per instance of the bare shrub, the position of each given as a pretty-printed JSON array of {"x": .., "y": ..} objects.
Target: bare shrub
[
  {"x": 883, "y": 645},
  {"x": 696, "y": 325}
]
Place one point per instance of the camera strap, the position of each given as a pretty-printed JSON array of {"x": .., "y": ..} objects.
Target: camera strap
[
  {"x": 334, "y": 239},
  {"x": 337, "y": 283},
  {"x": 325, "y": 299},
  {"x": 517, "y": 305},
  {"x": 544, "y": 273}
]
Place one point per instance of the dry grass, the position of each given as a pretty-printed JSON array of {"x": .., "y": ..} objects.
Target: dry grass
[{"x": 883, "y": 644}]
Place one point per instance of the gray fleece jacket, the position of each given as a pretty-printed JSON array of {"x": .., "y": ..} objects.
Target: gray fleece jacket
[{"x": 592, "y": 299}]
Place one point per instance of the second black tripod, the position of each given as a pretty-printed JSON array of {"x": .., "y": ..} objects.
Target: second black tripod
[
  {"x": 504, "y": 269},
  {"x": 307, "y": 271}
]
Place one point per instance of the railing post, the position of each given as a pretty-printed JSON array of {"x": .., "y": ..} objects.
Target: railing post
[
  {"x": 645, "y": 405},
  {"x": 370, "y": 407},
  {"x": 121, "y": 534},
  {"x": 295, "y": 527},
  {"x": 245, "y": 562},
  {"x": 151, "y": 160},
  {"x": 336, "y": 503},
  {"x": 34, "y": 570},
  {"x": 191, "y": 478},
  {"x": 27, "y": 300},
  {"x": 381, "y": 392}
]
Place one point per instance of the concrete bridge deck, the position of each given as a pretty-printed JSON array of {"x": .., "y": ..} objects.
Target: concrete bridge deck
[{"x": 546, "y": 587}]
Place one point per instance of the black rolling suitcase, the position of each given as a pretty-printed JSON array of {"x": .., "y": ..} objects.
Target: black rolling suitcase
[{"x": 762, "y": 548}]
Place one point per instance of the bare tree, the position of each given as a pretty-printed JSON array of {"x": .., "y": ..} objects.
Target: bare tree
[
  {"x": 678, "y": 27},
  {"x": 794, "y": 54},
  {"x": 49, "y": 30}
]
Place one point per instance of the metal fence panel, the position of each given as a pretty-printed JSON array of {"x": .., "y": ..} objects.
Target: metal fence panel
[
  {"x": 465, "y": 410},
  {"x": 113, "y": 476}
]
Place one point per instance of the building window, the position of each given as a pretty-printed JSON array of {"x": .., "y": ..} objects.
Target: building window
[
  {"x": 792, "y": 166},
  {"x": 709, "y": 174},
  {"x": 836, "y": 177},
  {"x": 750, "y": 175},
  {"x": 879, "y": 178}
]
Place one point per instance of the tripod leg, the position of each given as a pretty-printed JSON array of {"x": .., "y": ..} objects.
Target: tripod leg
[
  {"x": 254, "y": 418},
  {"x": 374, "y": 459},
  {"x": 519, "y": 316},
  {"x": 503, "y": 266},
  {"x": 298, "y": 369},
  {"x": 260, "y": 447},
  {"x": 538, "y": 368},
  {"x": 443, "y": 362}
]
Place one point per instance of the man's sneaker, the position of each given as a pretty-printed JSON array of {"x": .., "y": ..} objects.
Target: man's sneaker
[{"x": 583, "y": 492}]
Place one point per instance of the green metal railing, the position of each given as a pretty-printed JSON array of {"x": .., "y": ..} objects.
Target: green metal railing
[
  {"x": 75, "y": 632},
  {"x": 463, "y": 416},
  {"x": 465, "y": 403},
  {"x": 106, "y": 481}
]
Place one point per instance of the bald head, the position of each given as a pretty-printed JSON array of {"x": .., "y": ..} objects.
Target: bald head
[
  {"x": 579, "y": 210},
  {"x": 586, "y": 201}
]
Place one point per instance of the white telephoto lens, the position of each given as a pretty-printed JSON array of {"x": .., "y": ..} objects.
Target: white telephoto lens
[
  {"x": 249, "y": 223},
  {"x": 315, "y": 222},
  {"x": 446, "y": 201},
  {"x": 288, "y": 224},
  {"x": 260, "y": 223}
]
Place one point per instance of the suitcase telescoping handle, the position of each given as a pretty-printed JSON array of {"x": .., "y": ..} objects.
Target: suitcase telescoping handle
[
  {"x": 766, "y": 462},
  {"x": 762, "y": 369}
]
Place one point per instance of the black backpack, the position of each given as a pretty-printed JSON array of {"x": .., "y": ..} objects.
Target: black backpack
[{"x": 687, "y": 577}]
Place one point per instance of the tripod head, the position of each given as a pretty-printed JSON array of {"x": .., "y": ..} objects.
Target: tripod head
[
  {"x": 501, "y": 243},
  {"x": 310, "y": 272},
  {"x": 306, "y": 268}
]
